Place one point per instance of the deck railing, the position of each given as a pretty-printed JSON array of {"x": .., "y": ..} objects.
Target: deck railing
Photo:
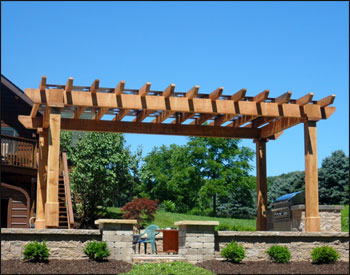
[{"x": 18, "y": 151}]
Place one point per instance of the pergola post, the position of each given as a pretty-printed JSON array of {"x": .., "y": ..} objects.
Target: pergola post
[
  {"x": 261, "y": 184},
  {"x": 52, "y": 205},
  {"x": 41, "y": 179},
  {"x": 312, "y": 218}
]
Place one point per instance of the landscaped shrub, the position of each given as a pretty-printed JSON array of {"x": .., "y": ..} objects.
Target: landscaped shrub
[
  {"x": 97, "y": 251},
  {"x": 168, "y": 206},
  {"x": 201, "y": 212},
  {"x": 233, "y": 252},
  {"x": 36, "y": 251},
  {"x": 279, "y": 254},
  {"x": 142, "y": 210},
  {"x": 324, "y": 255},
  {"x": 225, "y": 227},
  {"x": 222, "y": 227}
]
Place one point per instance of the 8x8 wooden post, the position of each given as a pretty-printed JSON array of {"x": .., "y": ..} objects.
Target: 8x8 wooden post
[
  {"x": 41, "y": 180},
  {"x": 261, "y": 184},
  {"x": 52, "y": 206},
  {"x": 312, "y": 218}
]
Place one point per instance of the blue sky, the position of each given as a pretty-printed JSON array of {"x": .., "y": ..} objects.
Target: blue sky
[{"x": 281, "y": 46}]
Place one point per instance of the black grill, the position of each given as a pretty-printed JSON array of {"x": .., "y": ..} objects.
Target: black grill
[{"x": 279, "y": 218}]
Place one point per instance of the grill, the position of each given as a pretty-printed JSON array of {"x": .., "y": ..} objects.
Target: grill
[{"x": 280, "y": 216}]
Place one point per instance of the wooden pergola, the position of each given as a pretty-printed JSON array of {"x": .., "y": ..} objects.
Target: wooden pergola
[{"x": 259, "y": 117}]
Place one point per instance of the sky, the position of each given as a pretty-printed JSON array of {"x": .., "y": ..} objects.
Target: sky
[{"x": 300, "y": 47}]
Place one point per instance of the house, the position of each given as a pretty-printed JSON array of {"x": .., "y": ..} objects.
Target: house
[{"x": 18, "y": 159}]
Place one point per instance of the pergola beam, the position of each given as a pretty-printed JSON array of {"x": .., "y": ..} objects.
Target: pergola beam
[{"x": 144, "y": 128}]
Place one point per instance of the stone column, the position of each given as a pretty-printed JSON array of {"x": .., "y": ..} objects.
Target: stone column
[
  {"x": 197, "y": 240},
  {"x": 118, "y": 236}
]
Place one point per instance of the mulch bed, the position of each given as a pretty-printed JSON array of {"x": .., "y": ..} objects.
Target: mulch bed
[
  {"x": 65, "y": 267},
  {"x": 224, "y": 267}
]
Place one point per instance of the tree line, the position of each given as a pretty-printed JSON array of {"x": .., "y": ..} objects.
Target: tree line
[{"x": 205, "y": 176}]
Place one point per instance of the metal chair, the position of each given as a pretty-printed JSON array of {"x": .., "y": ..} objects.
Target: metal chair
[{"x": 151, "y": 233}]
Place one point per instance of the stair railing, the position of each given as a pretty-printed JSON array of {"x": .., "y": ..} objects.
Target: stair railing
[{"x": 67, "y": 191}]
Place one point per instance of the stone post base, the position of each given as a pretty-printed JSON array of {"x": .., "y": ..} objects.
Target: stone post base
[
  {"x": 118, "y": 236},
  {"x": 197, "y": 240}
]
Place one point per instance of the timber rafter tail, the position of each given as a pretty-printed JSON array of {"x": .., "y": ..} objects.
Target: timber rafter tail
[{"x": 166, "y": 112}]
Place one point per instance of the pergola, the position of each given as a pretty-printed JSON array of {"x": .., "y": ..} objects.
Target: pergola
[{"x": 259, "y": 117}]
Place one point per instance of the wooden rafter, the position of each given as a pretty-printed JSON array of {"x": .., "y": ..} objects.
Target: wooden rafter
[
  {"x": 122, "y": 113},
  {"x": 282, "y": 99},
  {"x": 192, "y": 93},
  {"x": 169, "y": 91},
  {"x": 80, "y": 110},
  {"x": 119, "y": 89},
  {"x": 141, "y": 115},
  {"x": 223, "y": 118},
  {"x": 247, "y": 118},
  {"x": 305, "y": 99},
  {"x": 326, "y": 101},
  {"x": 94, "y": 86},
  {"x": 204, "y": 117}
]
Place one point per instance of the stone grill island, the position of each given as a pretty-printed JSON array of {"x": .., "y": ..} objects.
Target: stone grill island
[{"x": 288, "y": 214}]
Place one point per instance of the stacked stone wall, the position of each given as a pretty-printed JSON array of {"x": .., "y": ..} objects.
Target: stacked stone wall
[
  {"x": 67, "y": 244},
  {"x": 300, "y": 244}
]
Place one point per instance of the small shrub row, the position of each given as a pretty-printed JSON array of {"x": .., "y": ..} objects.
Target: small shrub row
[
  {"x": 235, "y": 253},
  {"x": 39, "y": 252},
  {"x": 226, "y": 227}
]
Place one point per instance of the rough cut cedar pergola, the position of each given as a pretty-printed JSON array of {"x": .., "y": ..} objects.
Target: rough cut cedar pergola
[{"x": 77, "y": 108}]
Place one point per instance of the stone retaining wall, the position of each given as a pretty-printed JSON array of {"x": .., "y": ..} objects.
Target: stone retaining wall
[
  {"x": 300, "y": 244},
  {"x": 197, "y": 241},
  {"x": 67, "y": 244}
]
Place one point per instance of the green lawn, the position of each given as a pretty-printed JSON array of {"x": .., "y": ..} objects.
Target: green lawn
[
  {"x": 176, "y": 268},
  {"x": 166, "y": 219},
  {"x": 345, "y": 219}
]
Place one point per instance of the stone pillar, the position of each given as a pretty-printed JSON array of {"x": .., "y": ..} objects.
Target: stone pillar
[
  {"x": 197, "y": 240},
  {"x": 312, "y": 219},
  {"x": 118, "y": 236}
]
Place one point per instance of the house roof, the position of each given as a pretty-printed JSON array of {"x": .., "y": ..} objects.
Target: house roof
[{"x": 13, "y": 103}]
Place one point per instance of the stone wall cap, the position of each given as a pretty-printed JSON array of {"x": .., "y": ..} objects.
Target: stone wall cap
[
  {"x": 320, "y": 207},
  {"x": 196, "y": 223},
  {"x": 53, "y": 231},
  {"x": 283, "y": 234},
  {"x": 115, "y": 221}
]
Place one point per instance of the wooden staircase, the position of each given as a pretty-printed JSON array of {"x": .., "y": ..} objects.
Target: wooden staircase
[
  {"x": 66, "y": 218},
  {"x": 63, "y": 218}
]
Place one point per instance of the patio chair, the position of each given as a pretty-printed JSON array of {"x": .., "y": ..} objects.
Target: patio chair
[{"x": 151, "y": 233}]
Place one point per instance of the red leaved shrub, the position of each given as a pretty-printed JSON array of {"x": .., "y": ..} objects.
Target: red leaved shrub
[{"x": 142, "y": 210}]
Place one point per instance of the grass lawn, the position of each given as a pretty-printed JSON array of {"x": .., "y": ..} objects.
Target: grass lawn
[
  {"x": 345, "y": 219},
  {"x": 168, "y": 268},
  {"x": 166, "y": 219}
]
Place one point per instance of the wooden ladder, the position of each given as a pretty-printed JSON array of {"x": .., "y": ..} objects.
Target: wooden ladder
[{"x": 66, "y": 217}]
